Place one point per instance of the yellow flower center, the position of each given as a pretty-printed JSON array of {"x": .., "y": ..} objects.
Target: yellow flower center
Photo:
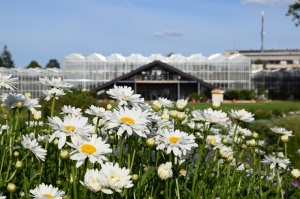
[
  {"x": 127, "y": 120},
  {"x": 48, "y": 195},
  {"x": 212, "y": 141},
  {"x": 88, "y": 148},
  {"x": 173, "y": 139},
  {"x": 70, "y": 128}
]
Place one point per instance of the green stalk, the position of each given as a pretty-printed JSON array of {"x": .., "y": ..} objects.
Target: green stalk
[
  {"x": 74, "y": 182},
  {"x": 121, "y": 149}
]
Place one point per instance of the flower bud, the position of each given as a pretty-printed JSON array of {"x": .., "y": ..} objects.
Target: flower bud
[
  {"x": 19, "y": 164},
  {"x": 285, "y": 138},
  {"x": 5, "y": 116},
  {"x": 109, "y": 107},
  {"x": 247, "y": 166},
  {"x": 83, "y": 90},
  {"x": 55, "y": 142},
  {"x": 216, "y": 105},
  {"x": 11, "y": 187},
  {"x": 165, "y": 116},
  {"x": 295, "y": 173},
  {"x": 37, "y": 115},
  {"x": 173, "y": 114},
  {"x": 181, "y": 116},
  {"x": 58, "y": 182},
  {"x": 135, "y": 177},
  {"x": 255, "y": 135},
  {"x": 252, "y": 142},
  {"x": 156, "y": 105},
  {"x": 64, "y": 154},
  {"x": 244, "y": 146},
  {"x": 19, "y": 138},
  {"x": 150, "y": 142},
  {"x": 19, "y": 105},
  {"x": 28, "y": 95},
  {"x": 16, "y": 154}
]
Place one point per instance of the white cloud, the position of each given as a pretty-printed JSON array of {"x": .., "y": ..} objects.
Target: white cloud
[
  {"x": 167, "y": 33},
  {"x": 269, "y": 2}
]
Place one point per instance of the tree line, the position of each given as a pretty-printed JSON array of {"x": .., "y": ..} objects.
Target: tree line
[{"x": 6, "y": 61}]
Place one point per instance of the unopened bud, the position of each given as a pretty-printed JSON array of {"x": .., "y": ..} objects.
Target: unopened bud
[
  {"x": 55, "y": 142},
  {"x": 83, "y": 90},
  {"x": 252, "y": 142},
  {"x": 64, "y": 154},
  {"x": 150, "y": 142},
  {"x": 11, "y": 187},
  {"x": 19, "y": 164},
  {"x": 28, "y": 95},
  {"x": 109, "y": 107},
  {"x": 255, "y": 135},
  {"x": 16, "y": 154},
  {"x": 135, "y": 177},
  {"x": 19, "y": 105},
  {"x": 284, "y": 138}
]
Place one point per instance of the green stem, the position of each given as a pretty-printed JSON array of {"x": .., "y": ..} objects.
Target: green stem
[
  {"x": 74, "y": 182},
  {"x": 121, "y": 149}
]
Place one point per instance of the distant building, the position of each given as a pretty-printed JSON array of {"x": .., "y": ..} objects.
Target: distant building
[
  {"x": 270, "y": 59},
  {"x": 29, "y": 79},
  {"x": 226, "y": 73}
]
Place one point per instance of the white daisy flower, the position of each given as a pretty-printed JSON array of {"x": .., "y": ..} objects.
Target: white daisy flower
[
  {"x": 116, "y": 178},
  {"x": 7, "y": 82},
  {"x": 93, "y": 148},
  {"x": 32, "y": 145},
  {"x": 281, "y": 131},
  {"x": 96, "y": 111},
  {"x": 55, "y": 83},
  {"x": 164, "y": 171},
  {"x": 53, "y": 92},
  {"x": 214, "y": 141},
  {"x": 94, "y": 182},
  {"x": 276, "y": 161},
  {"x": 14, "y": 100},
  {"x": 129, "y": 120},
  {"x": 2, "y": 196},
  {"x": 226, "y": 152},
  {"x": 181, "y": 104},
  {"x": 212, "y": 117},
  {"x": 44, "y": 191},
  {"x": 165, "y": 102},
  {"x": 4, "y": 128},
  {"x": 242, "y": 115},
  {"x": 71, "y": 111},
  {"x": 176, "y": 141},
  {"x": 125, "y": 96},
  {"x": 69, "y": 127}
]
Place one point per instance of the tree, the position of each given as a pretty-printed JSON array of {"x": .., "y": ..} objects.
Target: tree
[
  {"x": 294, "y": 11},
  {"x": 7, "y": 62},
  {"x": 53, "y": 63},
  {"x": 1, "y": 62},
  {"x": 33, "y": 64}
]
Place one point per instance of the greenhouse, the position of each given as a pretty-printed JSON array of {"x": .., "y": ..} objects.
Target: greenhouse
[
  {"x": 29, "y": 79},
  {"x": 281, "y": 84},
  {"x": 225, "y": 73}
]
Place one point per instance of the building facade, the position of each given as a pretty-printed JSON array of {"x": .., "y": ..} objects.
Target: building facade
[
  {"x": 29, "y": 79},
  {"x": 270, "y": 59},
  {"x": 226, "y": 73}
]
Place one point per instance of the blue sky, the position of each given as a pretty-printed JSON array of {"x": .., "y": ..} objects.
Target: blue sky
[{"x": 41, "y": 30}]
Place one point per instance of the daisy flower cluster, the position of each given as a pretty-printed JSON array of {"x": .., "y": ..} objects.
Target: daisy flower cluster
[{"x": 134, "y": 149}]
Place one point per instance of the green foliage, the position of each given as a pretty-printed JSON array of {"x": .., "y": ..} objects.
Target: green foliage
[
  {"x": 33, "y": 64},
  {"x": 53, "y": 63},
  {"x": 5, "y": 59},
  {"x": 75, "y": 98},
  {"x": 294, "y": 11},
  {"x": 194, "y": 96},
  {"x": 233, "y": 94}
]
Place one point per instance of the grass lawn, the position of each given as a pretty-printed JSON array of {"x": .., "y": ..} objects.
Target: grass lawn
[{"x": 262, "y": 109}]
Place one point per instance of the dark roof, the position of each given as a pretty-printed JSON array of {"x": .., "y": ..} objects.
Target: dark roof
[{"x": 155, "y": 63}]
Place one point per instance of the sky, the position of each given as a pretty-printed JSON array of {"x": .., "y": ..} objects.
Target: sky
[{"x": 41, "y": 30}]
